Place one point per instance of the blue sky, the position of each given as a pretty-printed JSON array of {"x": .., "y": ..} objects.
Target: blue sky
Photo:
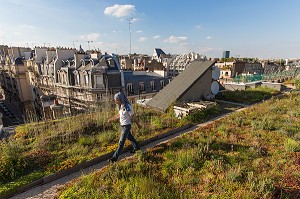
[{"x": 256, "y": 28}]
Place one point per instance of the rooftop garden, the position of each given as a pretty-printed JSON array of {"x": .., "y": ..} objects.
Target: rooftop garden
[
  {"x": 40, "y": 149},
  {"x": 248, "y": 96},
  {"x": 252, "y": 153}
]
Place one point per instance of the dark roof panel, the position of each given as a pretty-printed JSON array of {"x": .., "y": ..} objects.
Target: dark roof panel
[
  {"x": 179, "y": 85},
  {"x": 159, "y": 52},
  {"x": 19, "y": 61},
  {"x": 129, "y": 76}
]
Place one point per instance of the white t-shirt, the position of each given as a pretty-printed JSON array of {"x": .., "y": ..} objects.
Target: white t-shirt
[{"x": 125, "y": 115}]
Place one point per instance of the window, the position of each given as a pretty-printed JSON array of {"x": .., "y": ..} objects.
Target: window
[
  {"x": 99, "y": 81},
  {"x": 130, "y": 89},
  {"x": 59, "y": 78},
  {"x": 63, "y": 79},
  {"x": 64, "y": 92},
  {"x": 142, "y": 86},
  {"x": 162, "y": 84},
  {"x": 98, "y": 97},
  {"x": 152, "y": 85},
  {"x": 77, "y": 80},
  {"x": 86, "y": 79}
]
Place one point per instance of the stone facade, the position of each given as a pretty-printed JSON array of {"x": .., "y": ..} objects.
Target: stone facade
[{"x": 74, "y": 78}]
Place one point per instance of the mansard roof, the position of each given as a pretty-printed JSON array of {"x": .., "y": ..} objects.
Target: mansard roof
[
  {"x": 80, "y": 51},
  {"x": 130, "y": 76},
  {"x": 85, "y": 67},
  {"x": 18, "y": 61}
]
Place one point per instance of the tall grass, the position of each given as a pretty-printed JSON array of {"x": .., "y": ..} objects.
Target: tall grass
[
  {"x": 60, "y": 144},
  {"x": 231, "y": 158},
  {"x": 249, "y": 95}
]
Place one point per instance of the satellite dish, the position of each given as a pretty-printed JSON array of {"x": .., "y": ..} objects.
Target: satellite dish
[
  {"x": 215, "y": 73},
  {"x": 214, "y": 87}
]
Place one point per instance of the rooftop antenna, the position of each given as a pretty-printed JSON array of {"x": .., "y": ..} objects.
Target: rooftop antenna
[
  {"x": 46, "y": 43},
  {"x": 129, "y": 23},
  {"x": 89, "y": 44},
  {"x": 74, "y": 43}
]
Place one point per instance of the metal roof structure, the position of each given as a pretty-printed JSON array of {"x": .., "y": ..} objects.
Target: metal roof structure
[
  {"x": 129, "y": 75},
  {"x": 159, "y": 52},
  {"x": 180, "y": 85}
]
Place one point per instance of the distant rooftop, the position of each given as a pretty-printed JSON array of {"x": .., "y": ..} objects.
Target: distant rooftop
[
  {"x": 130, "y": 75},
  {"x": 159, "y": 52}
]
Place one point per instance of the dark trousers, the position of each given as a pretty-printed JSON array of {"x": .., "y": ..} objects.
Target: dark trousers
[{"x": 126, "y": 133}]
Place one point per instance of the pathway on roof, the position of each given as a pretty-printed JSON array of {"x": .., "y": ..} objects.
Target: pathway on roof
[{"x": 49, "y": 190}]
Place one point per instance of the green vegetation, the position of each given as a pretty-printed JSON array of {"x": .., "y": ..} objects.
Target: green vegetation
[
  {"x": 253, "y": 153},
  {"x": 231, "y": 59},
  {"x": 40, "y": 149},
  {"x": 297, "y": 83},
  {"x": 248, "y": 96},
  {"x": 245, "y": 59}
]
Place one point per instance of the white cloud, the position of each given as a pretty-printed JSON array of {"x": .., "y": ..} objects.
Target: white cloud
[
  {"x": 209, "y": 37},
  {"x": 141, "y": 39},
  {"x": 91, "y": 36},
  {"x": 27, "y": 27},
  {"x": 119, "y": 10},
  {"x": 156, "y": 37},
  {"x": 17, "y": 33},
  {"x": 174, "y": 39},
  {"x": 99, "y": 43},
  {"x": 209, "y": 49},
  {"x": 116, "y": 31},
  {"x": 198, "y": 26},
  {"x": 135, "y": 19},
  {"x": 186, "y": 43},
  {"x": 139, "y": 31},
  {"x": 132, "y": 20},
  {"x": 111, "y": 47}
]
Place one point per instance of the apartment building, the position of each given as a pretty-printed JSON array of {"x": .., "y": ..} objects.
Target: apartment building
[
  {"x": 180, "y": 62},
  {"x": 134, "y": 62},
  {"x": 238, "y": 67},
  {"x": 143, "y": 84},
  {"x": 15, "y": 81},
  {"x": 76, "y": 79},
  {"x": 271, "y": 67}
]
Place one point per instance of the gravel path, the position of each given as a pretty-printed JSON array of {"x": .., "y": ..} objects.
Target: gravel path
[{"x": 49, "y": 190}]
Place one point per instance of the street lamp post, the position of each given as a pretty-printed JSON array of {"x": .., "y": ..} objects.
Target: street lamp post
[
  {"x": 74, "y": 43},
  {"x": 129, "y": 23},
  {"x": 89, "y": 43}
]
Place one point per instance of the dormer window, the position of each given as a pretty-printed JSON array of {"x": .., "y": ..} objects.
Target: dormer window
[
  {"x": 111, "y": 62},
  {"x": 162, "y": 84},
  {"x": 77, "y": 80},
  {"x": 98, "y": 81},
  {"x": 152, "y": 84},
  {"x": 142, "y": 86},
  {"x": 130, "y": 88},
  {"x": 86, "y": 80}
]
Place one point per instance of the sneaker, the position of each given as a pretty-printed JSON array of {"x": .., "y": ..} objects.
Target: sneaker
[
  {"x": 135, "y": 150},
  {"x": 112, "y": 160}
]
